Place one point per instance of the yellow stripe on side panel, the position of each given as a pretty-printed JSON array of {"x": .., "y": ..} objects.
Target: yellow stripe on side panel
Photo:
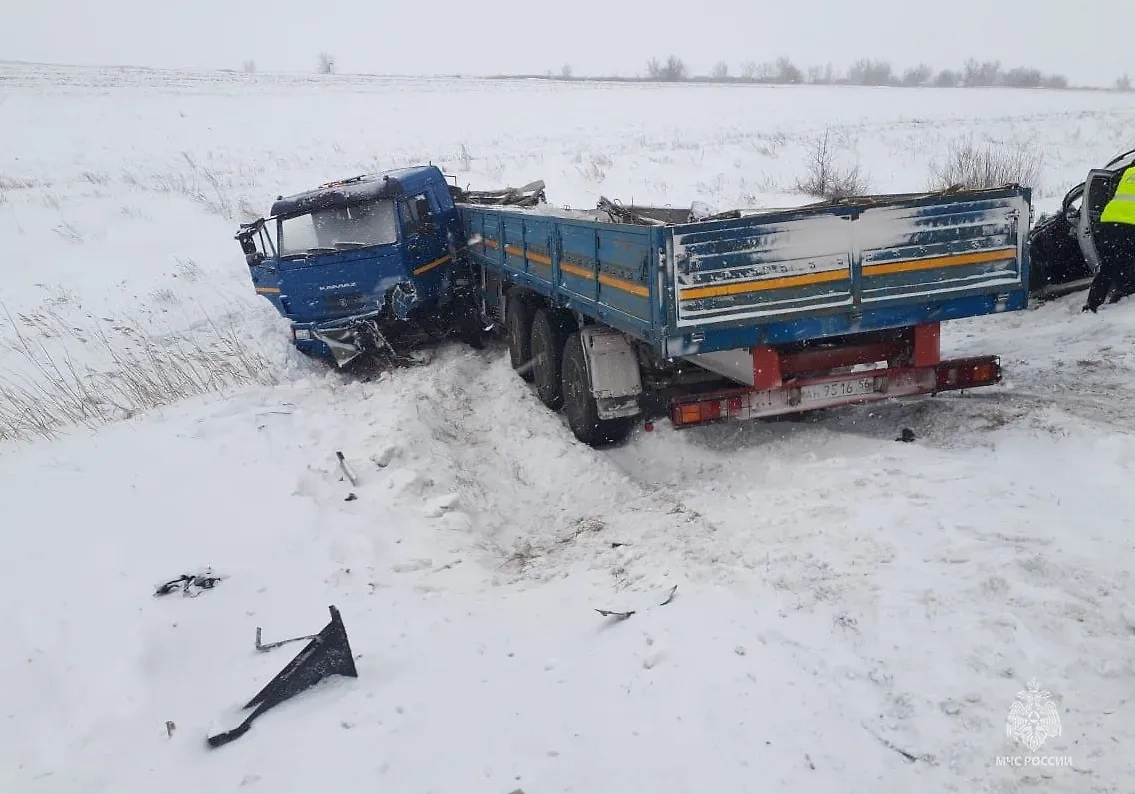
[
  {"x": 268, "y": 290},
  {"x": 430, "y": 266},
  {"x": 576, "y": 270},
  {"x": 957, "y": 260},
  {"x": 624, "y": 285},
  {"x": 697, "y": 293},
  {"x": 610, "y": 281}
]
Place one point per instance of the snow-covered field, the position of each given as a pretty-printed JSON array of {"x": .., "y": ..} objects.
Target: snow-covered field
[{"x": 851, "y": 614}]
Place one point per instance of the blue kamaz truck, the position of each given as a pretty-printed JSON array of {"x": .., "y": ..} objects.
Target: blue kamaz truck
[{"x": 624, "y": 313}]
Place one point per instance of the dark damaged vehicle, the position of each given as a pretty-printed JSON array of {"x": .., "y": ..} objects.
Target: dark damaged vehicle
[{"x": 1063, "y": 246}]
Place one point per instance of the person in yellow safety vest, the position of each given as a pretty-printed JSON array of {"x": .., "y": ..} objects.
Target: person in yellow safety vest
[{"x": 1116, "y": 246}]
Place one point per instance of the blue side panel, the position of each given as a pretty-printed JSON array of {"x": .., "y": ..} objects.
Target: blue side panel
[
  {"x": 578, "y": 252},
  {"x": 602, "y": 270},
  {"x": 841, "y": 324},
  {"x": 915, "y": 252},
  {"x": 772, "y": 278},
  {"x": 624, "y": 271},
  {"x": 763, "y": 268},
  {"x": 820, "y": 272}
]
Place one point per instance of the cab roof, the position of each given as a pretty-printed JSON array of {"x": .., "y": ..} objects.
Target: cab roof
[{"x": 367, "y": 187}]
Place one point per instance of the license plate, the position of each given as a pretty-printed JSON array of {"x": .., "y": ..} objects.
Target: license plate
[{"x": 836, "y": 390}]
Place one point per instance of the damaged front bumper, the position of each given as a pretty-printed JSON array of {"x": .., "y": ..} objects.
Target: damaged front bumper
[
  {"x": 375, "y": 333},
  {"x": 343, "y": 340}
]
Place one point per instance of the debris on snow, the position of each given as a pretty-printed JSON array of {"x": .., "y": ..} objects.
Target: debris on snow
[
  {"x": 260, "y": 646},
  {"x": 346, "y": 469},
  {"x": 909, "y": 756},
  {"x": 190, "y": 584},
  {"x": 628, "y": 613},
  {"x": 328, "y": 654}
]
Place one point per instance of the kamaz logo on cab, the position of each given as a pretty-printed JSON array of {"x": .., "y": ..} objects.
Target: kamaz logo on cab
[{"x": 327, "y": 287}]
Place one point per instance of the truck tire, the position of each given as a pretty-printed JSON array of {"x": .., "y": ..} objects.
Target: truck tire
[
  {"x": 579, "y": 404},
  {"x": 550, "y": 331},
  {"x": 518, "y": 321}
]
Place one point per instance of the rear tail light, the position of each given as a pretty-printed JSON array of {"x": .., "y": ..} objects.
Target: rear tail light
[
  {"x": 689, "y": 414},
  {"x": 711, "y": 410}
]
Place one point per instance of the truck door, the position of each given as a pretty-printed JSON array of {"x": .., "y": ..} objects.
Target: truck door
[
  {"x": 1098, "y": 189},
  {"x": 423, "y": 239}
]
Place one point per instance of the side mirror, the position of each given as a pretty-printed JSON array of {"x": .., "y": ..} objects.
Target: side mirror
[{"x": 253, "y": 258}]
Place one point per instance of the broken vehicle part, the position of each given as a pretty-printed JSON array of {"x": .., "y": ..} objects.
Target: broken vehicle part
[{"x": 328, "y": 654}]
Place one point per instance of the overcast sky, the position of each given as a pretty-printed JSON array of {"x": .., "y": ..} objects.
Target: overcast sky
[{"x": 1083, "y": 39}]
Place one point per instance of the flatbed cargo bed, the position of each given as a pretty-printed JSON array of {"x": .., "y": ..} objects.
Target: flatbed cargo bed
[{"x": 768, "y": 277}]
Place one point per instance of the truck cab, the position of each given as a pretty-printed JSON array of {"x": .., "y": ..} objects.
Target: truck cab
[{"x": 355, "y": 261}]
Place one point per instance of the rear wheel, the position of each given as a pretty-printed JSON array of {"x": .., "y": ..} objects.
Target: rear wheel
[
  {"x": 550, "y": 331},
  {"x": 519, "y": 324},
  {"x": 579, "y": 404}
]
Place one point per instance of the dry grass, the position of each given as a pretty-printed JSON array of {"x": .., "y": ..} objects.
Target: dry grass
[
  {"x": 143, "y": 373},
  {"x": 824, "y": 177},
  {"x": 975, "y": 167}
]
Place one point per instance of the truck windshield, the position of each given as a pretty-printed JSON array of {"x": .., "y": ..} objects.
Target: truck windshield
[{"x": 339, "y": 229}]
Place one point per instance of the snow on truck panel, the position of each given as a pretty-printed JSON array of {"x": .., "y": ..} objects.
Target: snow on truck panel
[{"x": 742, "y": 269}]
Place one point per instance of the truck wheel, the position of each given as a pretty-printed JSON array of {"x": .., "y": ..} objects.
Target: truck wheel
[
  {"x": 579, "y": 404},
  {"x": 550, "y": 331},
  {"x": 519, "y": 323}
]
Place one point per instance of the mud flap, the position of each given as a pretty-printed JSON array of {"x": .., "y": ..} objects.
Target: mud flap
[{"x": 612, "y": 371}]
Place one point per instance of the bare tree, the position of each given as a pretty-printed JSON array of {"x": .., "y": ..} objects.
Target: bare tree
[
  {"x": 749, "y": 70},
  {"x": 250, "y": 67},
  {"x": 976, "y": 75},
  {"x": 326, "y": 63},
  {"x": 720, "y": 71},
  {"x": 824, "y": 177},
  {"x": 565, "y": 71},
  {"x": 788, "y": 72},
  {"x": 673, "y": 70},
  {"x": 1123, "y": 83},
  {"x": 1057, "y": 81},
  {"x": 919, "y": 75},
  {"x": 868, "y": 72},
  {"x": 821, "y": 75},
  {"x": 947, "y": 78},
  {"x": 1023, "y": 78}
]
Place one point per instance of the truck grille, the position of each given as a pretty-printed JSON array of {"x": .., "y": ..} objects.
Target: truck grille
[{"x": 351, "y": 301}]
